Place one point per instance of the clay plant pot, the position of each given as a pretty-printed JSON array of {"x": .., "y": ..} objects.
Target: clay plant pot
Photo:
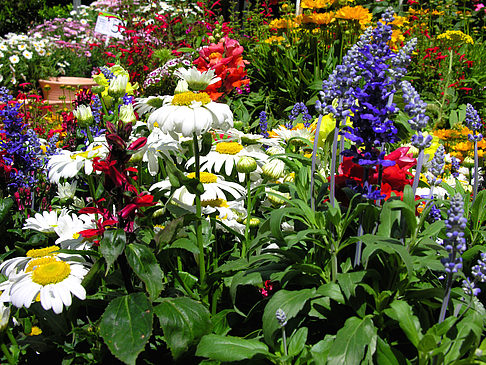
[{"x": 56, "y": 88}]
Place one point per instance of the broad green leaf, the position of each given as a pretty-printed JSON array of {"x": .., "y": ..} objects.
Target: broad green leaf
[
  {"x": 349, "y": 281},
  {"x": 388, "y": 245},
  {"x": 402, "y": 312},
  {"x": 229, "y": 348},
  {"x": 297, "y": 341},
  {"x": 384, "y": 354},
  {"x": 184, "y": 321},
  {"x": 321, "y": 350},
  {"x": 143, "y": 262},
  {"x": 169, "y": 232},
  {"x": 112, "y": 246},
  {"x": 186, "y": 244},
  {"x": 5, "y": 206},
  {"x": 126, "y": 326},
  {"x": 291, "y": 302},
  {"x": 331, "y": 290},
  {"x": 351, "y": 341}
]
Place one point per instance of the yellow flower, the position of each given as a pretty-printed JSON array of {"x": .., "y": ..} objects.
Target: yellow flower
[
  {"x": 362, "y": 15},
  {"x": 319, "y": 18},
  {"x": 316, "y": 4},
  {"x": 456, "y": 37},
  {"x": 35, "y": 331},
  {"x": 283, "y": 24},
  {"x": 275, "y": 39}
]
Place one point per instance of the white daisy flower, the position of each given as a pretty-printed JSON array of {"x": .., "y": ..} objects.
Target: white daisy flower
[
  {"x": 3, "y": 47},
  {"x": 40, "y": 51},
  {"x": 66, "y": 190},
  {"x": 148, "y": 105},
  {"x": 228, "y": 154},
  {"x": 21, "y": 46},
  {"x": 1, "y": 54},
  {"x": 14, "y": 59},
  {"x": 67, "y": 163},
  {"x": 42, "y": 222},
  {"x": 191, "y": 113},
  {"x": 284, "y": 134},
  {"x": 196, "y": 79},
  {"x": 23, "y": 37},
  {"x": 68, "y": 228},
  {"x": 215, "y": 187},
  {"x": 27, "y": 54},
  {"x": 48, "y": 279},
  {"x": 158, "y": 143}
]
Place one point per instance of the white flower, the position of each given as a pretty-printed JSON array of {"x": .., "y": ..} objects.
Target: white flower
[
  {"x": 215, "y": 187},
  {"x": 196, "y": 79},
  {"x": 67, "y": 164},
  {"x": 127, "y": 114},
  {"x": 27, "y": 54},
  {"x": 5, "y": 317},
  {"x": 14, "y": 59},
  {"x": 1, "y": 54},
  {"x": 148, "y": 105},
  {"x": 228, "y": 154},
  {"x": 68, "y": 228},
  {"x": 50, "y": 278},
  {"x": 40, "y": 51},
  {"x": 83, "y": 114},
  {"x": 158, "y": 143},
  {"x": 3, "y": 47},
  {"x": 191, "y": 113},
  {"x": 12, "y": 267},
  {"x": 21, "y": 46},
  {"x": 274, "y": 169},
  {"x": 285, "y": 135},
  {"x": 118, "y": 85},
  {"x": 44, "y": 222},
  {"x": 66, "y": 190}
]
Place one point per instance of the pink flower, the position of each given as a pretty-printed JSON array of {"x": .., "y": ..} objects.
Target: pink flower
[{"x": 479, "y": 7}]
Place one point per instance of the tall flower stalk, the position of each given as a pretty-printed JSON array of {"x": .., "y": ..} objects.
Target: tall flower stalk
[
  {"x": 473, "y": 122},
  {"x": 455, "y": 245}
]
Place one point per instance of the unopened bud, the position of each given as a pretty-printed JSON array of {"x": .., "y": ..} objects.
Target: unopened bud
[{"x": 246, "y": 164}]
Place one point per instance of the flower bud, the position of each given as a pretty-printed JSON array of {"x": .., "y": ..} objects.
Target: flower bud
[
  {"x": 273, "y": 169},
  {"x": 275, "y": 150},
  {"x": 127, "y": 114},
  {"x": 275, "y": 196},
  {"x": 246, "y": 164},
  {"x": 98, "y": 89},
  {"x": 118, "y": 86},
  {"x": 182, "y": 87},
  {"x": 4, "y": 317},
  {"x": 84, "y": 115},
  {"x": 468, "y": 162},
  {"x": 254, "y": 222}
]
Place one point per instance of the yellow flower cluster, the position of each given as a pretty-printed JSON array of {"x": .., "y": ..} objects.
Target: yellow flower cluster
[
  {"x": 456, "y": 36},
  {"x": 359, "y": 13},
  {"x": 316, "y": 4},
  {"x": 317, "y": 18},
  {"x": 457, "y": 144},
  {"x": 424, "y": 12},
  {"x": 275, "y": 39}
]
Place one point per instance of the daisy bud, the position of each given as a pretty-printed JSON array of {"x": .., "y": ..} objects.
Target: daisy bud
[
  {"x": 273, "y": 169},
  {"x": 275, "y": 150},
  {"x": 246, "y": 164},
  {"x": 275, "y": 196},
  {"x": 4, "y": 317},
  {"x": 468, "y": 162},
  {"x": 290, "y": 177},
  {"x": 127, "y": 114},
  {"x": 118, "y": 86},
  {"x": 254, "y": 222},
  {"x": 84, "y": 115},
  {"x": 182, "y": 87},
  {"x": 98, "y": 89}
]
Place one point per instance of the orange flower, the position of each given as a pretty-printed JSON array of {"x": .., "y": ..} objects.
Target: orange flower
[
  {"x": 463, "y": 146},
  {"x": 319, "y": 18},
  {"x": 316, "y": 4},
  {"x": 283, "y": 24},
  {"x": 362, "y": 15}
]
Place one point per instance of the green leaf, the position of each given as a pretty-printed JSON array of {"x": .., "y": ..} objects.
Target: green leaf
[
  {"x": 349, "y": 281},
  {"x": 228, "y": 348},
  {"x": 351, "y": 341},
  {"x": 321, "y": 350},
  {"x": 401, "y": 312},
  {"x": 297, "y": 341},
  {"x": 388, "y": 245},
  {"x": 143, "y": 262},
  {"x": 331, "y": 290},
  {"x": 184, "y": 321},
  {"x": 126, "y": 326},
  {"x": 169, "y": 232},
  {"x": 112, "y": 246},
  {"x": 384, "y": 354},
  {"x": 5, "y": 206},
  {"x": 291, "y": 302}
]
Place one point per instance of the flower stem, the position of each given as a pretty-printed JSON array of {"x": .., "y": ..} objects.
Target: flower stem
[
  {"x": 333, "y": 166},
  {"x": 418, "y": 170},
  {"x": 248, "y": 214},
  {"x": 7, "y": 354},
  {"x": 284, "y": 340},
  {"x": 314, "y": 156},
  {"x": 200, "y": 244},
  {"x": 476, "y": 172},
  {"x": 447, "y": 295}
]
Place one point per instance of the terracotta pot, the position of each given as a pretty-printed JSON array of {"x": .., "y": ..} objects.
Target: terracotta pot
[{"x": 64, "y": 86}]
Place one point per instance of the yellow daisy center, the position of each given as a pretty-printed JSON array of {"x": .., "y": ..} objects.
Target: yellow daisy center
[
  {"x": 214, "y": 203},
  {"x": 41, "y": 252},
  {"x": 51, "y": 273},
  {"x": 33, "y": 264},
  {"x": 228, "y": 148},
  {"x": 205, "y": 177},
  {"x": 188, "y": 97}
]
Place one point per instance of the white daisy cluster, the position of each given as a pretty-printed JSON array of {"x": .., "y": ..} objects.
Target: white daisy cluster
[
  {"x": 45, "y": 275},
  {"x": 17, "y": 51}
]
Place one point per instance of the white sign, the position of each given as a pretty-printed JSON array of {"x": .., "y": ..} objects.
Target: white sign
[{"x": 109, "y": 25}]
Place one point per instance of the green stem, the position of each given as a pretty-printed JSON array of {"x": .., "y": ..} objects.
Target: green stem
[
  {"x": 90, "y": 136},
  {"x": 200, "y": 244},
  {"x": 248, "y": 215},
  {"x": 6, "y": 351}
]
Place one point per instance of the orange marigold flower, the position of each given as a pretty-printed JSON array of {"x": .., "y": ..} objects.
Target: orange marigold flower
[{"x": 359, "y": 13}]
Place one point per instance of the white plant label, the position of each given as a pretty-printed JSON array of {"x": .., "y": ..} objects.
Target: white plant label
[{"x": 109, "y": 25}]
